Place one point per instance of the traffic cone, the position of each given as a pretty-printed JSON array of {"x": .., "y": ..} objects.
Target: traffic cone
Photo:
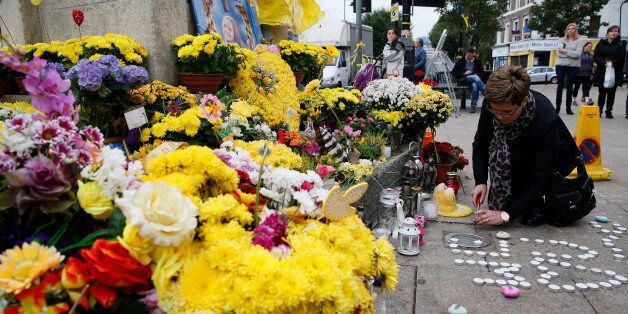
[
  {"x": 587, "y": 137},
  {"x": 429, "y": 138}
]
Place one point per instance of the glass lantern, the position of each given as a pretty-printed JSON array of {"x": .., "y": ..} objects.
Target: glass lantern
[
  {"x": 388, "y": 200},
  {"x": 409, "y": 235}
]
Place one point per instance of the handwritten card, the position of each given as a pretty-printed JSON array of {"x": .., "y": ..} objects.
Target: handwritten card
[{"x": 136, "y": 117}]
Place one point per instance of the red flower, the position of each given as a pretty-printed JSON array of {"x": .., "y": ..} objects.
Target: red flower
[
  {"x": 306, "y": 185},
  {"x": 104, "y": 295},
  {"x": 75, "y": 274},
  {"x": 110, "y": 264}
]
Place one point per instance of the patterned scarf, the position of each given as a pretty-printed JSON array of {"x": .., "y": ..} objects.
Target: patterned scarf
[{"x": 499, "y": 155}]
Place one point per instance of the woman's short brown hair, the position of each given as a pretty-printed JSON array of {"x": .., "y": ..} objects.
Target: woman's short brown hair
[
  {"x": 510, "y": 84},
  {"x": 610, "y": 28}
]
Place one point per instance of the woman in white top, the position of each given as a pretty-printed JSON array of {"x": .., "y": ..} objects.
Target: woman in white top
[
  {"x": 393, "y": 55},
  {"x": 567, "y": 65}
]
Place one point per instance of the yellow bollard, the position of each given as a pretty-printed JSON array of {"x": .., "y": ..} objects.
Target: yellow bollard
[{"x": 587, "y": 137}]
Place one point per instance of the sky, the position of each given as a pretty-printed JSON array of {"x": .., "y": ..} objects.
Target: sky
[{"x": 422, "y": 20}]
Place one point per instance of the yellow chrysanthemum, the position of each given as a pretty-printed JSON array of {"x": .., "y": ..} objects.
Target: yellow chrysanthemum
[
  {"x": 20, "y": 266},
  {"x": 280, "y": 154},
  {"x": 311, "y": 86}
]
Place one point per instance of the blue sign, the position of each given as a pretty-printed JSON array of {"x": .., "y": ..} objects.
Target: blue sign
[
  {"x": 589, "y": 150},
  {"x": 527, "y": 31},
  {"x": 235, "y": 20}
]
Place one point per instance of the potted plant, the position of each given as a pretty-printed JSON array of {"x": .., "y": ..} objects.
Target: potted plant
[
  {"x": 204, "y": 60},
  {"x": 447, "y": 157},
  {"x": 306, "y": 60}
]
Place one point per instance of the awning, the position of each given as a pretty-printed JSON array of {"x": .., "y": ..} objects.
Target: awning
[
  {"x": 519, "y": 53},
  {"x": 296, "y": 14}
]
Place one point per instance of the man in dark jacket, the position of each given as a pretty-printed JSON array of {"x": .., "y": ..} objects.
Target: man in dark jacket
[
  {"x": 521, "y": 142},
  {"x": 467, "y": 71}
]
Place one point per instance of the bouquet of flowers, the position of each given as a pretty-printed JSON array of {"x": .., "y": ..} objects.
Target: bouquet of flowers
[
  {"x": 426, "y": 110},
  {"x": 71, "y": 51},
  {"x": 265, "y": 79},
  {"x": 158, "y": 96},
  {"x": 206, "y": 54},
  {"x": 101, "y": 88},
  {"x": 389, "y": 94},
  {"x": 307, "y": 58},
  {"x": 322, "y": 104},
  {"x": 390, "y": 117},
  {"x": 280, "y": 155},
  {"x": 242, "y": 121},
  {"x": 285, "y": 188},
  {"x": 353, "y": 173},
  {"x": 445, "y": 153}
]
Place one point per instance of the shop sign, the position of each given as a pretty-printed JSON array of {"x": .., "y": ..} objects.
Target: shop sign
[{"x": 535, "y": 45}]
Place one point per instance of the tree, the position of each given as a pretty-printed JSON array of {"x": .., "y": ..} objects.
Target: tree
[
  {"x": 483, "y": 24},
  {"x": 452, "y": 42},
  {"x": 379, "y": 20},
  {"x": 552, "y": 17}
]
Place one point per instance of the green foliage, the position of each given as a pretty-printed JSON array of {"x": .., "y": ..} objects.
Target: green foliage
[
  {"x": 552, "y": 17},
  {"x": 308, "y": 162},
  {"x": 224, "y": 60},
  {"x": 483, "y": 24},
  {"x": 379, "y": 20},
  {"x": 305, "y": 63},
  {"x": 370, "y": 145}
]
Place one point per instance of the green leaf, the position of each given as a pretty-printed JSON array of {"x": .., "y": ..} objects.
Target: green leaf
[
  {"x": 7, "y": 199},
  {"x": 116, "y": 222}
]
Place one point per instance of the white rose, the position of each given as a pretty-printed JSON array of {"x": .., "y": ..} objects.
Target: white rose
[{"x": 160, "y": 212}]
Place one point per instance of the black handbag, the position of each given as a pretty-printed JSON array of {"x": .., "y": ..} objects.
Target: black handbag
[{"x": 568, "y": 200}]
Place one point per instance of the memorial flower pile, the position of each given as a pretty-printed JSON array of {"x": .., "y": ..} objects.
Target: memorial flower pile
[{"x": 206, "y": 54}]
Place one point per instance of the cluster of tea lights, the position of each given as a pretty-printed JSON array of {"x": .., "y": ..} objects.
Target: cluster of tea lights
[{"x": 508, "y": 277}]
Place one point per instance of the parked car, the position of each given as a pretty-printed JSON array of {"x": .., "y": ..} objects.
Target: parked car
[{"x": 541, "y": 74}]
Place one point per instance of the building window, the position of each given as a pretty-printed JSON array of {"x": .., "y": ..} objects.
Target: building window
[
  {"x": 508, "y": 6},
  {"x": 506, "y": 32},
  {"x": 528, "y": 1},
  {"x": 517, "y": 4}
]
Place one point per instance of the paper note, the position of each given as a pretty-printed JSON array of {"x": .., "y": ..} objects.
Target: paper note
[
  {"x": 135, "y": 118},
  {"x": 165, "y": 148}
]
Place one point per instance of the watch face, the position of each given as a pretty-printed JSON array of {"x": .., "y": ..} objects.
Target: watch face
[{"x": 505, "y": 216}]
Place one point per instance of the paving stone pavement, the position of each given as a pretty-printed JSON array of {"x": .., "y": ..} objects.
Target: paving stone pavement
[{"x": 431, "y": 282}]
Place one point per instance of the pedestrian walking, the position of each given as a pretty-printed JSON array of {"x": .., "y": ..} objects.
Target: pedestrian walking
[
  {"x": 584, "y": 76},
  {"x": 567, "y": 65},
  {"x": 420, "y": 59},
  {"x": 609, "y": 55},
  {"x": 393, "y": 55},
  {"x": 467, "y": 71},
  {"x": 521, "y": 143}
]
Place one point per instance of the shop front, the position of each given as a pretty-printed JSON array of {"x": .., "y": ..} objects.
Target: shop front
[
  {"x": 531, "y": 53},
  {"x": 500, "y": 56}
]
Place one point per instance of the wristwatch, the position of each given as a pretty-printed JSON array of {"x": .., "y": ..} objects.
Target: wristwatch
[{"x": 504, "y": 216}]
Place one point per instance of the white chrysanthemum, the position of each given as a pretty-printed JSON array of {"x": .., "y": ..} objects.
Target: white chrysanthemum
[
  {"x": 389, "y": 94},
  {"x": 284, "y": 186},
  {"x": 161, "y": 213}
]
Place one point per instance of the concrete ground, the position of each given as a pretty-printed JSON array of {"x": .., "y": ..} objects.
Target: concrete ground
[{"x": 430, "y": 282}]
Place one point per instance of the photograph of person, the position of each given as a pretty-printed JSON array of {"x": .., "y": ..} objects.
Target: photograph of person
[
  {"x": 230, "y": 31},
  {"x": 208, "y": 6}
]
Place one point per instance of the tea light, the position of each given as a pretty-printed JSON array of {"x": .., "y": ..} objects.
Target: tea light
[
  {"x": 583, "y": 257},
  {"x": 542, "y": 268},
  {"x": 617, "y": 232},
  {"x": 535, "y": 253},
  {"x": 563, "y": 243},
  {"x": 515, "y": 265},
  {"x": 553, "y": 287},
  {"x": 565, "y": 265},
  {"x": 478, "y": 281},
  {"x": 605, "y": 285},
  {"x": 525, "y": 285},
  {"x": 592, "y": 286},
  {"x": 504, "y": 264},
  {"x": 477, "y": 242},
  {"x": 551, "y": 255},
  {"x": 509, "y": 276},
  {"x": 582, "y": 286},
  {"x": 606, "y": 240},
  {"x": 482, "y": 263},
  {"x": 621, "y": 278},
  {"x": 455, "y": 251},
  {"x": 546, "y": 276},
  {"x": 512, "y": 282},
  {"x": 542, "y": 281},
  {"x": 503, "y": 242},
  {"x": 513, "y": 270},
  {"x": 553, "y": 261},
  {"x": 553, "y": 274},
  {"x": 519, "y": 278},
  {"x": 504, "y": 250},
  {"x": 481, "y": 253},
  {"x": 616, "y": 225},
  {"x": 609, "y": 244},
  {"x": 493, "y": 254},
  {"x": 612, "y": 237},
  {"x": 592, "y": 252},
  {"x": 535, "y": 263},
  {"x": 524, "y": 240},
  {"x": 553, "y": 242},
  {"x": 498, "y": 272},
  {"x": 453, "y": 245},
  {"x": 614, "y": 282},
  {"x": 470, "y": 262},
  {"x": 539, "y": 241},
  {"x": 596, "y": 271},
  {"x": 568, "y": 288},
  {"x": 501, "y": 282},
  {"x": 489, "y": 281},
  {"x": 454, "y": 240},
  {"x": 502, "y": 235},
  {"x": 581, "y": 268},
  {"x": 566, "y": 257},
  {"x": 539, "y": 259},
  {"x": 616, "y": 250},
  {"x": 505, "y": 255},
  {"x": 610, "y": 273},
  {"x": 573, "y": 245},
  {"x": 493, "y": 264},
  {"x": 468, "y": 252},
  {"x": 605, "y": 231},
  {"x": 459, "y": 262},
  {"x": 596, "y": 225},
  {"x": 618, "y": 257},
  {"x": 589, "y": 256},
  {"x": 583, "y": 248},
  {"x": 622, "y": 229},
  {"x": 503, "y": 245}
]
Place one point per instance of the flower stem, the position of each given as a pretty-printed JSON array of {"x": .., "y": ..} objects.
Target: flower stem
[{"x": 265, "y": 153}]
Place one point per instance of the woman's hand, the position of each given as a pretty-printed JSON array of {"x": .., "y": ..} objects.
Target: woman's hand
[
  {"x": 488, "y": 217},
  {"x": 478, "y": 194},
  {"x": 562, "y": 50}
]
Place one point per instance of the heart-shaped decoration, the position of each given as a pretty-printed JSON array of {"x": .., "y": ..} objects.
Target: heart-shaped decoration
[{"x": 78, "y": 17}]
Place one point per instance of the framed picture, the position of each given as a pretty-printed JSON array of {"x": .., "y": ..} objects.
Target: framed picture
[
  {"x": 235, "y": 20},
  {"x": 119, "y": 143}
]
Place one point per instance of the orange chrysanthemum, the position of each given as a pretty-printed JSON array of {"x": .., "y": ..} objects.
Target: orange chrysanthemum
[{"x": 21, "y": 266}]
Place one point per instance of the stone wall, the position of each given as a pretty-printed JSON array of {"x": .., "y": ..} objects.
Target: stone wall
[{"x": 153, "y": 23}]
